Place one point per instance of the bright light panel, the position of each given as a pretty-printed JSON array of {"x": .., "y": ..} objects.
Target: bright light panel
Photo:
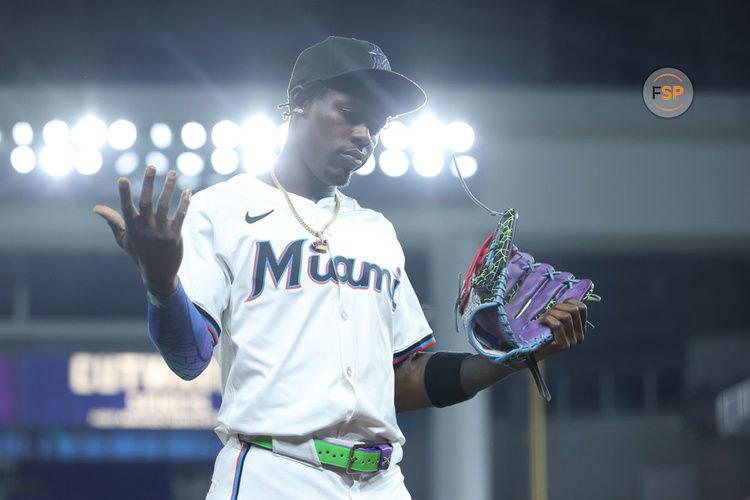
[
  {"x": 161, "y": 135},
  {"x": 427, "y": 132},
  {"x": 121, "y": 135},
  {"x": 159, "y": 161},
  {"x": 466, "y": 164},
  {"x": 55, "y": 133},
  {"x": 23, "y": 159},
  {"x": 393, "y": 162},
  {"x": 281, "y": 133},
  {"x": 225, "y": 134},
  {"x": 395, "y": 136},
  {"x": 428, "y": 162},
  {"x": 188, "y": 181},
  {"x": 459, "y": 136},
  {"x": 89, "y": 133},
  {"x": 23, "y": 134},
  {"x": 368, "y": 167},
  {"x": 126, "y": 163},
  {"x": 190, "y": 164},
  {"x": 258, "y": 161},
  {"x": 193, "y": 135},
  {"x": 57, "y": 161},
  {"x": 224, "y": 161},
  {"x": 88, "y": 161},
  {"x": 259, "y": 132}
]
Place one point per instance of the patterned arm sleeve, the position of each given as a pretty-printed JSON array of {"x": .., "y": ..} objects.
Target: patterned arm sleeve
[{"x": 183, "y": 335}]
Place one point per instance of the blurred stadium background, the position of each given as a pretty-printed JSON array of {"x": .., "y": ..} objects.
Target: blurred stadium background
[{"x": 541, "y": 101}]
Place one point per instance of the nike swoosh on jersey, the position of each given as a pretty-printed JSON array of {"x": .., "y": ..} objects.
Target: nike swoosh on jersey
[{"x": 250, "y": 219}]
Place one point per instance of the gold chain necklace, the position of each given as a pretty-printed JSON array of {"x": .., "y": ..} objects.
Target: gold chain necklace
[{"x": 320, "y": 244}]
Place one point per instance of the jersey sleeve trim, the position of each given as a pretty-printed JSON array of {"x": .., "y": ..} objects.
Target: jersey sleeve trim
[
  {"x": 417, "y": 346},
  {"x": 212, "y": 325}
]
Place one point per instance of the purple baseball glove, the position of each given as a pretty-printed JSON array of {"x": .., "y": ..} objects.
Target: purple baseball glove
[{"x": 504, "y": 295}]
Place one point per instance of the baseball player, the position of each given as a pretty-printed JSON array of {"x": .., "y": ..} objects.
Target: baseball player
[{"x": 302, "y": 296}]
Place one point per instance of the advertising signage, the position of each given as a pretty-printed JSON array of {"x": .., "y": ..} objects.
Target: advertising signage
[{"x": 125, "y": 390}]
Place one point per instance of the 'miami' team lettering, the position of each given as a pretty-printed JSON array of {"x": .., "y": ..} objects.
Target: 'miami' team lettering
[{"x": 334, "y": 270}]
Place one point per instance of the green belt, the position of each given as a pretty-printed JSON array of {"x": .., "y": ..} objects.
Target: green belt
[{"x": 352, "y": 459}]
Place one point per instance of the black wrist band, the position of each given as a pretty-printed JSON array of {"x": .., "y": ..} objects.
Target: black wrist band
[{"x": 442, "y": 378}]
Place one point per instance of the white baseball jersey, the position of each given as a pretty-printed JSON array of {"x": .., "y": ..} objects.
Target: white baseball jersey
[{"x": 306, "y": 340}]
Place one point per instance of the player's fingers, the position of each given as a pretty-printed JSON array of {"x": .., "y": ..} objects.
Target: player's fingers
[
  {"x": 115, "y": 221},
  {"x": 126, "y": 201},
  {"x": 146, "y": 201},
  {"x": 582, "y": 309},
  {"x": 117, "y": 225},
  {"x": 558, "y": 330},
  {"x": 575, "y": 314},
  {"x": 566, "y": 320},
  {"x": 182, "y": 207},
  {"x": 165, "y": 198}
]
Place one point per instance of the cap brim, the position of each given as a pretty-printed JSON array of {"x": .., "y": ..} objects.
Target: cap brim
[{"x": 395, "y": 92}]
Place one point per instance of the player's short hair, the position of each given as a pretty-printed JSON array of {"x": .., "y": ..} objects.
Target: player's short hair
[{"x": 313, "y": 89}]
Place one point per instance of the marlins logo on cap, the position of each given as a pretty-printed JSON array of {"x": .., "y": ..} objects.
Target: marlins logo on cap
[{"x": 379, "y": 61}]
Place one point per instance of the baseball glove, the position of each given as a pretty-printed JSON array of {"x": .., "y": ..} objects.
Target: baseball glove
[{"x": 506, "y": 292}]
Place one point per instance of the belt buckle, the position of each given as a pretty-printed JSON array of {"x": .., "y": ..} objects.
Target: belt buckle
[{"x": 359, "y": 446}]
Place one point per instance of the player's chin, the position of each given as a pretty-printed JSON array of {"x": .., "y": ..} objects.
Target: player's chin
[{"x": 339, "y": 176}]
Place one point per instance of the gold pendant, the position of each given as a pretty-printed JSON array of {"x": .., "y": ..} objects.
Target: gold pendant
[{"x": 321, "y": 245}]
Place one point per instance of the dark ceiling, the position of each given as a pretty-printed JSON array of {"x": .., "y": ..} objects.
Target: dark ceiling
[{"x": 518, "y": 43}]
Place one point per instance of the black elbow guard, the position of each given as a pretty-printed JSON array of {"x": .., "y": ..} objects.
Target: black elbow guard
[{"x": 442, "y": 378}]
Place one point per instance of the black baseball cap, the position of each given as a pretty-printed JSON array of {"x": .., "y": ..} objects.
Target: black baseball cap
[{"x": 348, "y": 61}]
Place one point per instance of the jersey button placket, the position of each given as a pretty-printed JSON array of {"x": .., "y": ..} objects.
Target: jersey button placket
[{"x": 348, "y": 338}]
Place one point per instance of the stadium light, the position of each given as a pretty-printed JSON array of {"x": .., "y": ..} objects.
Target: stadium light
[
  {"x": 259, "y": 132},
  {"x": 161, "y": 135},
  {"x": 428, "y": 162},
  {"x": 281, "y": 133},
  {"x": 258, "y": 161},
  {"x": 393, "y": 162},
  {"x": 368, "y": 167},
  {"x": 427, "y": 132},
  {"x": 23, "y": 159},
  {"x": 260, "y": 138},
  {"x": 466, "y": 164},
  {"x": 190, "y": 164},
  {"x": 89, "y": 133},
  {"x": 159, "y": 161},
  {"x": 23, "y": 134},
  {"x": 395, "y": 136},
  {"x": 55, "y": 133},
  {"x": 189, "y": 181},
  {"x": 193, "y": 135},
  {"x": 88, "y": 161},
  {"x": 224, "y": 161},
  {"x": 225, "y": 134},
  {"x": 459, "y": 136},
  {"x": 121, "y": 135},
  {"x": 56, "y": 160},
  {"x": 126, "y": 163}
]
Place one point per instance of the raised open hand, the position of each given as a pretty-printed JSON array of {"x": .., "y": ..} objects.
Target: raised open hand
[{"x": 152, "y": 240}]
